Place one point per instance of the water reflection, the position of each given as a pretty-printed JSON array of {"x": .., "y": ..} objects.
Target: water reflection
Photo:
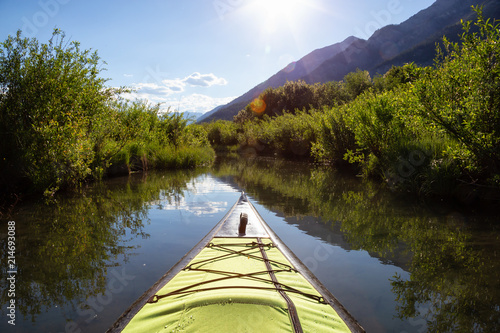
[
  {"x": 65, "y": 253},
  {"x": 71, "y": 254},
  {"x": 199, "y": 205},
  {"x": 454, "y": 267}
]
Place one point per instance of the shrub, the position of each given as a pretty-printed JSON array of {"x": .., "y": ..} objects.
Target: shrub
[
  {"x": 461, "y": 96},
  {"x": 50, "y": 95},
  {"x": 335, "y": 137}
]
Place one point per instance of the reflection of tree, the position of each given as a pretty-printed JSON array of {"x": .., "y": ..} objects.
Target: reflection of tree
[
  {"x": 454, "y": 280},
  {"x": 453, "y": 285},
  {"x": 64, "y": 251},
  {"x": 457, "y": 284}
]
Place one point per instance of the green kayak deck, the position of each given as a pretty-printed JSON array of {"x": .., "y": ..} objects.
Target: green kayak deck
[{"x": 235, "y": 282}]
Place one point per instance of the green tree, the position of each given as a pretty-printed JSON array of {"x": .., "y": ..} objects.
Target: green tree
[
  {"x": 462, "y": 97},
  {"x": 335, "y": 137},
  {"x": 330, "y": 94},
  {"x": 398, "y": 75},
  {"x": 51, "y": 97},
  {"x": 171, "y": 126},
  {"x": 357, "y": 82}
]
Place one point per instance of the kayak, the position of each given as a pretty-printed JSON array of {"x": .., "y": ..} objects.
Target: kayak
[{"x": 239, "y": 278}]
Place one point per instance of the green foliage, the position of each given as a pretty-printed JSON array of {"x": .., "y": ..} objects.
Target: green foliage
[
  {"x": 168, "y": 157},
  {"x": 286, "y": 128},
  {"x": 151, "y": 139},
  {"x": 296, "y": 95},
  {"x": 375, "y": 123},
  {"x": 420, "y": 129},
  {"x": 357, "y": 82},
  {"x": 222, "y": 133},
  {"x": 49, "y": 96},
  {"x": 290, "y": 135},
  {"x": 172, "y": 125},
  {"x": 397, "y": 76},
  {"x": 60, "y": 124},
  {"x": 462, "y": 98},
  {"x": 330, "y": 94},
  {"x": 335, "y": 138}
]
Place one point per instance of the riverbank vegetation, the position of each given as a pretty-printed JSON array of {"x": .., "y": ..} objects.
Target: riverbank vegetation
[
  {"x": 60, "y": 125},
  {"x": 426, "y": 130}
]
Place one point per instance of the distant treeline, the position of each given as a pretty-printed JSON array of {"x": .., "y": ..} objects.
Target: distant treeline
[
  {"x": 425, "y": 130},
  {"x": 60, "y": 125}
]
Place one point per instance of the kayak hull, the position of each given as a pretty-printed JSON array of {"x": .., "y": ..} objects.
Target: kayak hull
[{"x": 235, "y": 282}]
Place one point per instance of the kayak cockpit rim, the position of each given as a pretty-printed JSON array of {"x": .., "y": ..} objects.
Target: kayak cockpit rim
[{"x": 260, "y": 228}]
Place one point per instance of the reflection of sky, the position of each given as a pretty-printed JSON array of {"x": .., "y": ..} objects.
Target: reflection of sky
[
  {"x": 207, "y": 184},
  {"x": 198, "y": 198},
  {"x": 197, "y": 208}
]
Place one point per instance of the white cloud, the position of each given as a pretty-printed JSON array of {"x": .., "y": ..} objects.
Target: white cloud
[
  {"x": 200, "y": 103},
  {"x": 204, "y": 80},
  {"x": 175, "y": 86},
  {"x": 207, "y": 184},
  {"x": 171, "y": 86},
  {"x": 185, "y": 103},
  {"x": 197, "y": 208},
  {"x": 173, "y": 92},
  {"x": 195, "y": 200},
  {"x": 161, "y": 90}
]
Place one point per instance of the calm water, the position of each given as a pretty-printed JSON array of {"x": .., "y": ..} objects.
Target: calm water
[{"x": 397, "y": 265}]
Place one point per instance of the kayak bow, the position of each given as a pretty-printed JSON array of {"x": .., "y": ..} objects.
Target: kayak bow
[{"x": 239, "y": 278}]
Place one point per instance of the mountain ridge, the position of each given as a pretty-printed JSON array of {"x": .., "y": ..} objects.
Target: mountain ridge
[
  {"x": 280, "y": 78},
  {"x": 410, "y": 41}
]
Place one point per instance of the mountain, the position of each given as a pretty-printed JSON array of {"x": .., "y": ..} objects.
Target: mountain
[
  {"x": 292, "y": 72},
  {"x": 208, "y": 114},
  {"x": 413, "y": 40},
  {"x": 387, "y": 45},
  {"x": 424, "y": 53}
]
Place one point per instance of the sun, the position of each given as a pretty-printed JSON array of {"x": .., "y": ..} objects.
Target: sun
[
  {"x": 274, "y": 15},
  {"x": 278, "y": 7}
]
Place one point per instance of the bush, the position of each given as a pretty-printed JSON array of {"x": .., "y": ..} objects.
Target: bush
[
  {"x": 357, "y": 82},
  {"x": 461, "y": 96},
  {"x": 335, "y": 137},
  {"x": 60, "y": 124},
  {"x": 222, "y": 133},
  {"x": 290, "y": 135},
  {"x": 184, "y": 157},
  {"x": 50, "y": 94}
]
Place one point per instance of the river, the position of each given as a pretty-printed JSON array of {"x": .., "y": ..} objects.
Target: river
[{"x": 396, "y": 263}]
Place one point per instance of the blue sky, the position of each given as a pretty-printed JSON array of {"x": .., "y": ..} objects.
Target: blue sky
[{"x": 193, "y": 55}]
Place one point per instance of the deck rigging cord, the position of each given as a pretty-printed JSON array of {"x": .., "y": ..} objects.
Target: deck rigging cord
[{"x": 280, "y": 287}]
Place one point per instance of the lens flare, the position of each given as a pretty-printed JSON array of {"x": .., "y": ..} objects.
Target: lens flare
[{"x": 258, "y": 106}]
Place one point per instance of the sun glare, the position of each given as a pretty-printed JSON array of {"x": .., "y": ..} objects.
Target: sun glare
[
  {"x": 273, "y": 14},
  {"x": 277, "y": 7}
]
